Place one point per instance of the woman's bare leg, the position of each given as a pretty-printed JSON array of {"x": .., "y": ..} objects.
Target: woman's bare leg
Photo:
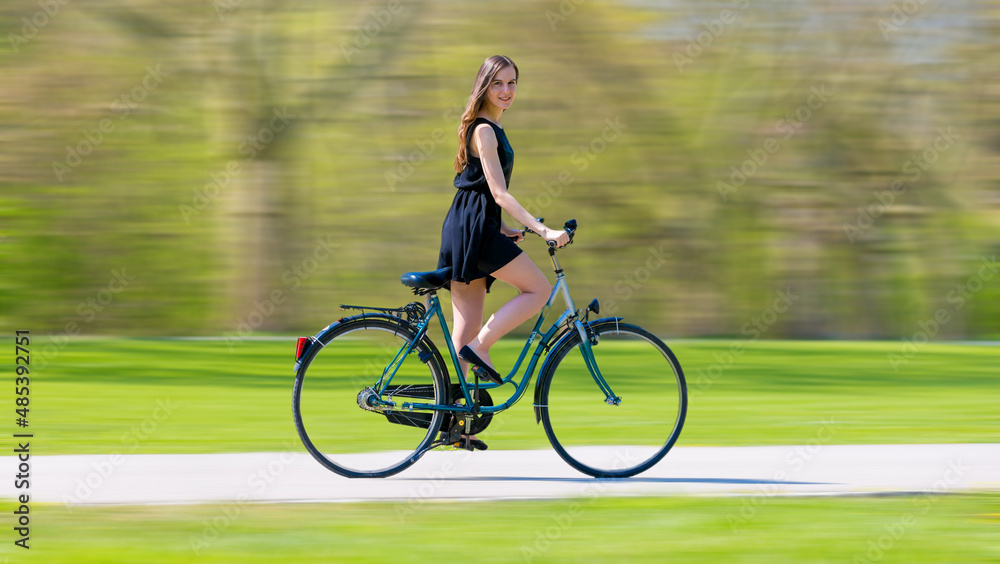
[
  {"x": 523, "y": 274},
  {"x": 467, "y": 306},
  {"x": 467, "y": 302}
]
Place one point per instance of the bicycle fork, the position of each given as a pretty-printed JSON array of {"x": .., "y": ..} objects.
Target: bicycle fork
[{"x": 586, "y": 342}]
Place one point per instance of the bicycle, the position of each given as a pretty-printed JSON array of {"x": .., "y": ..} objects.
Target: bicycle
[{"x": 611, "y": 396}]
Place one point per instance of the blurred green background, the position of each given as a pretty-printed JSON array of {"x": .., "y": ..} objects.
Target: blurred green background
[
  {"x": 241, "y": 167},
  {"x": 742, "y": 169}
]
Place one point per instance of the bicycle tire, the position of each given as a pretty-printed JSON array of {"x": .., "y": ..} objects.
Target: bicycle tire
[
  {"x": 604, "y": 440},
  {"x": 340, "y": 434}
]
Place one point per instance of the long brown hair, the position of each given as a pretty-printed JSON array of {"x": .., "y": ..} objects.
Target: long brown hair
[{"x": 487, "y": 72}]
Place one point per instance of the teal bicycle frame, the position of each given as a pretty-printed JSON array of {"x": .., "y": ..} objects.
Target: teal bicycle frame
[{"x": 569, "y": 318}]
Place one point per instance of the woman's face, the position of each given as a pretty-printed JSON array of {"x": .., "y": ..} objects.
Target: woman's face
[{"x": 503, "y": 88}]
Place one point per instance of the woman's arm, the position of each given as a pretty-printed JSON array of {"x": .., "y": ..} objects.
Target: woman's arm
[{"x": 485, "y": 141}]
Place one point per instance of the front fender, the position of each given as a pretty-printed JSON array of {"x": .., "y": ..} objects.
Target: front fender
[{"x": 563, "y": 341}]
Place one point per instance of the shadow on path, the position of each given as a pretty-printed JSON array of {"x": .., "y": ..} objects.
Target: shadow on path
[{"x": 731, "y": 481}]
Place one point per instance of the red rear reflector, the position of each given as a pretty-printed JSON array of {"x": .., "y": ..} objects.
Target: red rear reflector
[{"x": 301, "y": 346}]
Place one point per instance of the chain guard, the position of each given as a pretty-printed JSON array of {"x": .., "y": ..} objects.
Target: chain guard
[
  {"x": 479, "y": 422},
  {"x": 423, "y": 419}
]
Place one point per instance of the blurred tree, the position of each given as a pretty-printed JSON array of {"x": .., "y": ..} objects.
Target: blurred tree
[{"x": 245, "y": 165}]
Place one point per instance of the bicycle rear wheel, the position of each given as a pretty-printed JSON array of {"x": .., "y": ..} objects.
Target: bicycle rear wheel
[
  {"x": 592, "y": 434},
  {"x": 334, "y": 400}
]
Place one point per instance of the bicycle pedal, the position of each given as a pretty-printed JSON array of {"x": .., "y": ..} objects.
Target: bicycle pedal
[{"x": 483, "y": 375}]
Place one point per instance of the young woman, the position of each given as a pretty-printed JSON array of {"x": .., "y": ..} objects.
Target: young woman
[{"x": 474, "y": 239}]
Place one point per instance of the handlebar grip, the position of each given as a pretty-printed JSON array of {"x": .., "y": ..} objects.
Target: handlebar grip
[{"x": 569, "y": 226}]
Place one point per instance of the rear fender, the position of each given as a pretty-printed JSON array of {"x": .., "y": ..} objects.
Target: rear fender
[{"x": 320, "y": 340}]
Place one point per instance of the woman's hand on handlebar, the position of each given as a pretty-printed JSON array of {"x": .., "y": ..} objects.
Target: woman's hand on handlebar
[
  {"x": 516, "y": 234},
  {"x": 559, "y": 236}
]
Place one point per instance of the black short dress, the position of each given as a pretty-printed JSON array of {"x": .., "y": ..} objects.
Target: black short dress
[{"x": 471, "y": 241}]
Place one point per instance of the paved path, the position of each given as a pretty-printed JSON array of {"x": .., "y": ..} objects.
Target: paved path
[{"x": 293, "y": 476}]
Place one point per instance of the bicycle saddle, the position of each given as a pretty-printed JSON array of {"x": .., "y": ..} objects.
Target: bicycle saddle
[{"x": 427, "y": 280}]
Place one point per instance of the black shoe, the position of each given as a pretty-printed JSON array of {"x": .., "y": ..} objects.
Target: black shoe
[
  {"x": 484, "y": 372},
  {"x": 466, "y": 443},
  {"x": 477, "y": 444}
]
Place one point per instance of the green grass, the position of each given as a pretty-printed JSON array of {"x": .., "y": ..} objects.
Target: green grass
[
  {"x": 588, "y": 529},
  {"x": 158, "y": 396}
]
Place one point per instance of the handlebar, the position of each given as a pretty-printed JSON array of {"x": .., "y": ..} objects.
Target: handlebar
[{"x": 569, "y": 226}]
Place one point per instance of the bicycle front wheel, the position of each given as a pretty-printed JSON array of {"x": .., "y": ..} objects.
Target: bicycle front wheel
[
  {"x": 628, "y": 433},
  {"x": 336, "y": 406}
]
